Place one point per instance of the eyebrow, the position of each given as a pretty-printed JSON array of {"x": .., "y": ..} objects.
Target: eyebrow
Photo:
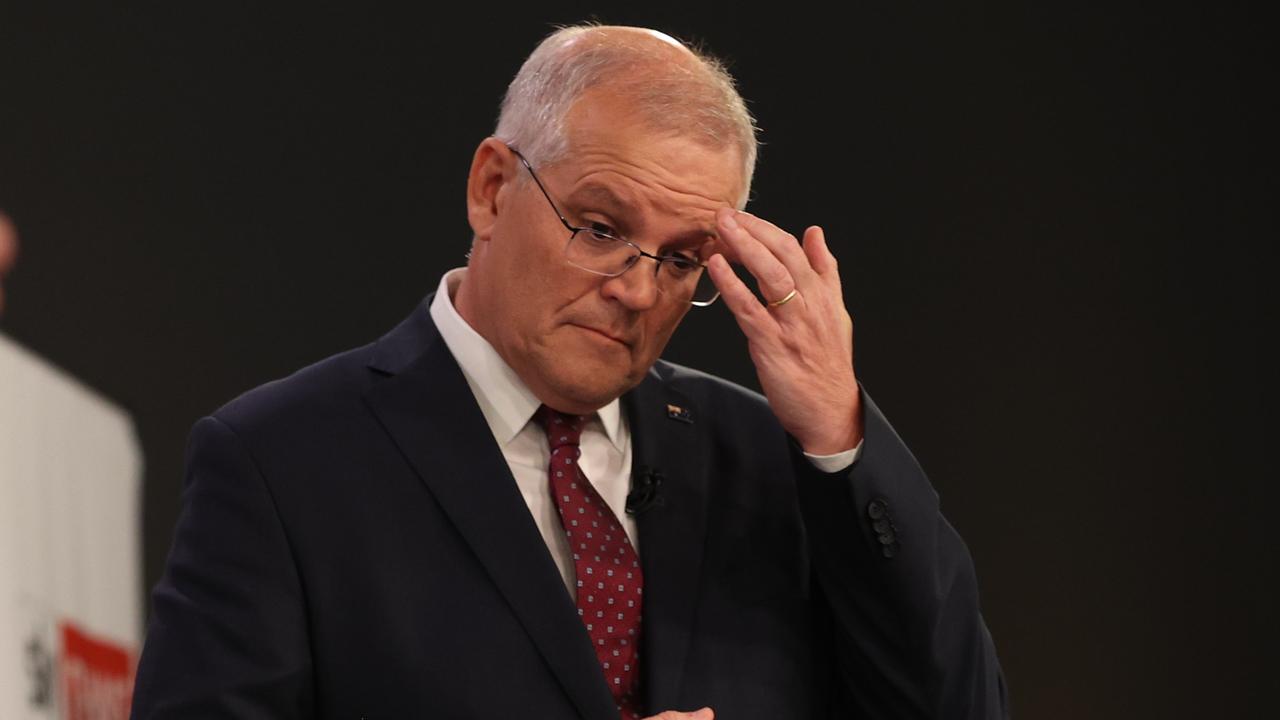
[
  {"x": 601, "y": 194},
  {"x": 610, "y": 201}
]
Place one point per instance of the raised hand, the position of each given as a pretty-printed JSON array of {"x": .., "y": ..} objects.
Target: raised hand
[{"x": 801, "y": 338}]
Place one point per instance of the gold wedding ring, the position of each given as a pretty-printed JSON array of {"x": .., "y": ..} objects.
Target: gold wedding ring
[{"x": 785, "y": 300}]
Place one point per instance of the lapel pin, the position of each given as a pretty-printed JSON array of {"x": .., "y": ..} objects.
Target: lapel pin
[{"x": 675, "y": 412}]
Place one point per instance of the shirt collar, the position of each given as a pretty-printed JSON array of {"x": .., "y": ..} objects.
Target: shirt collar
[{"x": 507, "y": 403}]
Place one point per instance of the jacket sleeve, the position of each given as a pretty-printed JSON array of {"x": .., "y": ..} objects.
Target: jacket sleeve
[
  {"x": 227, "y": 634},
  {"x": 901, "y": 594}
]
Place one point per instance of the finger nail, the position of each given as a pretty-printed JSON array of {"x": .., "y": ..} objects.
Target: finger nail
[{"x": 728, "y": 221}]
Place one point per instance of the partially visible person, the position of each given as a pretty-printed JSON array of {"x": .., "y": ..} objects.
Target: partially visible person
[{"x": 8, "y": 251}]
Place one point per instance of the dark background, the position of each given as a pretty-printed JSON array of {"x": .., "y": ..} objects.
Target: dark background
[{"x": 1049, "y": 223}]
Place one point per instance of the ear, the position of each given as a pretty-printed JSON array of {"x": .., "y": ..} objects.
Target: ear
[{"x": 491, "y": 173}]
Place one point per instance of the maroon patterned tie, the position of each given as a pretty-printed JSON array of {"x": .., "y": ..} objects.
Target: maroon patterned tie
[{"x": 608, "y": 573}]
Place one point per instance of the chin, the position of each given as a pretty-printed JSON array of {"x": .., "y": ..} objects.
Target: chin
[
  {"x": 586, "y": 394},
  {"x": 590, "y": 399},
  {"x": 582, "y": 373}
]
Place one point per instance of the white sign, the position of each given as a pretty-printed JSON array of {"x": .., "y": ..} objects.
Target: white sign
[{"x": 70, "y": 550}]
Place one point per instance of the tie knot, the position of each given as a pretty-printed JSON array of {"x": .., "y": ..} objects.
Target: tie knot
[{"x": 562, "y": 429}]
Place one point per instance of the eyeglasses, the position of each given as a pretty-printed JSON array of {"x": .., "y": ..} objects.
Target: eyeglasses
[{"x": 601, "y": 252}]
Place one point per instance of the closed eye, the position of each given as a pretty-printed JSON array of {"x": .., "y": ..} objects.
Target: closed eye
[
  {"x": 681, "y": 263},
  {"x": 602, "y": 230}
]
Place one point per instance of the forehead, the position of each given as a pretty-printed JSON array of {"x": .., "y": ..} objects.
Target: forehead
[{"x": 616, "y": 159}]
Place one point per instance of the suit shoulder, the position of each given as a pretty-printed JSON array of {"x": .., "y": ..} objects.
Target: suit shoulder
[
  {"x": 707, "y": 390},
  {"x": 331, "y": 385}
]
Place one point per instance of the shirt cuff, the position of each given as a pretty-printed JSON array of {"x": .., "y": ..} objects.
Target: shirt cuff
[{"x": 836, "y": 463}]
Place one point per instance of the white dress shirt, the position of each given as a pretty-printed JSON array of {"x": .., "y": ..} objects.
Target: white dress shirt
[{"x": 508, "y": 406}]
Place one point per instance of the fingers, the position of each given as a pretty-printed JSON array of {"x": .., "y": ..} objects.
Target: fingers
[
  {"x": 767, "y": 251},
  {"x": 768, "y": 254},
  {"x": 704, "y": 714},
  {"x": 751, "y": 316},
  {"x": 819, "y": 255},
  {"x": 779, "y": 242}
]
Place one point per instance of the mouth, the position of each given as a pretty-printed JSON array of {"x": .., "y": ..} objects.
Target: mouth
[{"x": 603, "y": 334}]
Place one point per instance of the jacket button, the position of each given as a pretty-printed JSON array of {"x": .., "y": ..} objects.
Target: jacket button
[
  {"x": 876, "y": 509},
  {"x": 889, "y": 550}
]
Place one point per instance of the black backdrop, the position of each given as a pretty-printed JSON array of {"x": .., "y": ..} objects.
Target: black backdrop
[{"x": 1049, "y": 223}]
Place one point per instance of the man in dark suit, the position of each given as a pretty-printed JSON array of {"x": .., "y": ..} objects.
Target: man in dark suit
[{"x": 509, "y": 507}]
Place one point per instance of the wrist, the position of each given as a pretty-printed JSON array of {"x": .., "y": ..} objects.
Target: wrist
[{"x": 831, "y": 439}]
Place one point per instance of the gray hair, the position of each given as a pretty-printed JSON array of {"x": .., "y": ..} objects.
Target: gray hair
[{"x": 696, "y": 99}]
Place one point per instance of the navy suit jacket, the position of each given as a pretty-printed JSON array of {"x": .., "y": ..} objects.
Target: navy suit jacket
[{"x": 352, "y": 545}]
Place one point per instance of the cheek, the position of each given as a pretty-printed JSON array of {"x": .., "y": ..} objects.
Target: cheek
[{"x": 532, "y": 284}]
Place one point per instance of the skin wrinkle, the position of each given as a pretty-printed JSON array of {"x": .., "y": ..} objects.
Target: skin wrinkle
[
  {"x": 694, "y": 208},
  {"x": 654, "y": 171},
  {"x": 618, "y": 214}
]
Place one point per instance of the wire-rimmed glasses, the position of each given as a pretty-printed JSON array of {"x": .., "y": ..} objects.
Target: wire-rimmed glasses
[{"x": 604, "y": 253}]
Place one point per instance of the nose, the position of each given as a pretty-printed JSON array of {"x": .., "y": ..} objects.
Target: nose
[{"x": 636, "y": 289}]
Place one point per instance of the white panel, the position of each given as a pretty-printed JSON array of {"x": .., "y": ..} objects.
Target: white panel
[{"x": 70, "y": 551}]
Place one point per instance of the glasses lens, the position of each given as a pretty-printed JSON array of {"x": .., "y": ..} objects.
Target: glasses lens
[
  {"x": 606, "y": 255},
  {"x": 599, "y": 253},
  {"x": 705, "y": 292},
  {"x": 688, "y": 281}
]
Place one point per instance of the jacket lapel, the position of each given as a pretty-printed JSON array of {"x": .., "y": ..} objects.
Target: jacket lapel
[
  {"x": 424, "y": 403},
  {"x": 665, "y": 434}
]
